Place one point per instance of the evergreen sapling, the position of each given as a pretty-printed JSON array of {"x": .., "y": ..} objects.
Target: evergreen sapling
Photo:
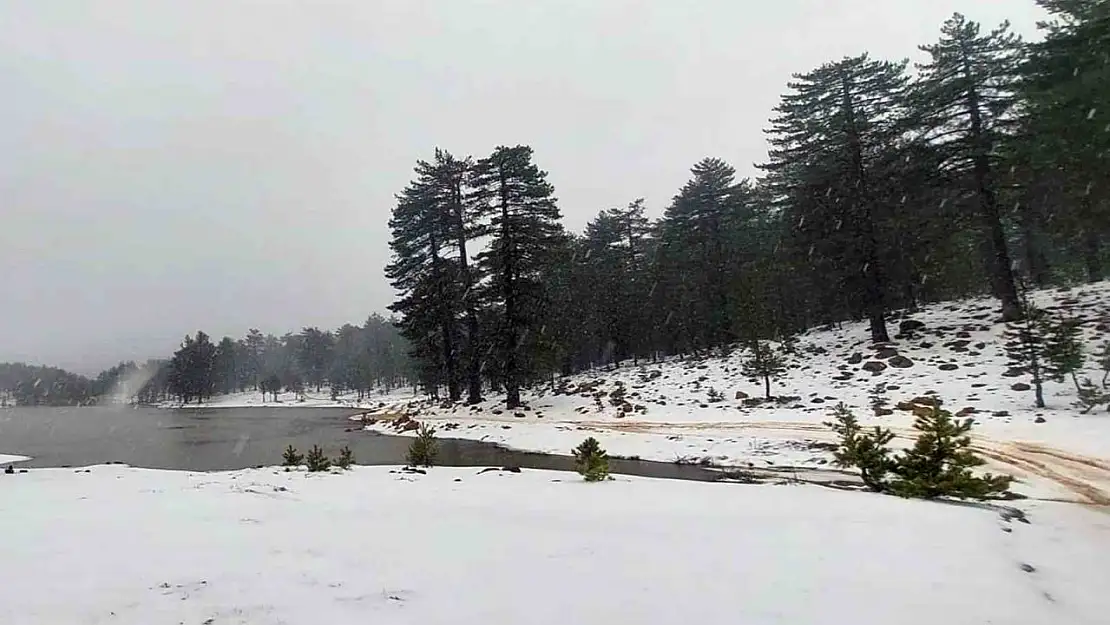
[
  {"x": 940, "y": 462},
  {"x": 346, "y": 458},
  {"x": 316, "y": 461},
  {"x": 591, "y": 461},
  {"x": 423, "y": 449},
  {"x": 866, "y": 451},
  {"x": 290, "y": 458},
  {"x": 764, "y": 363}
]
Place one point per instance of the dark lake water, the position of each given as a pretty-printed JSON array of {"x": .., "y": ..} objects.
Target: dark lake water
[{"x": 238, "y": 438}]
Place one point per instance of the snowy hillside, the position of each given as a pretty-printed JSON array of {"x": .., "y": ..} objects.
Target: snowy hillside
[
  {"x": 666, "y": 411},
  {"x": 455, "y": 546}
]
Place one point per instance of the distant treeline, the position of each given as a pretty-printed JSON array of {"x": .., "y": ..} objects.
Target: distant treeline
[
  {"x": 30, "y": 385},
  {"x": 351, "y": 359}
]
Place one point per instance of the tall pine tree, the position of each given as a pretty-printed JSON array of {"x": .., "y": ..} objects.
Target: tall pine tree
[
  {"x": 826, "y": 139},
  {"x": 963, "y": 104},
  {"x": 523, "y": 229}
]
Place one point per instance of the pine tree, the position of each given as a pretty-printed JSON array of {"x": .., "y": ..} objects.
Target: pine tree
[
  {"x": 191, "y": 370},
  {"x": 1025, "y": 343},
  {"x": 940, "y": 462},
  {"x": 825, "y": 138},
  {"x": 1063, "y": 349},
  {"x": 962, "y": 103},
  {"x": 523, "y": 228},
  {"x": 314, "y": 354},
  {"x": 1067, "y": 99},
  {"x": 427, "y": 280},
  {"x": 866, "y": 451},
  {"x": 225, "y": 366},
  {"x": 424, "y": 449},
  {"x": 764, "y": 363},
  {"x": 591, "y": 461},
  {"x": 692, "y": 258}
]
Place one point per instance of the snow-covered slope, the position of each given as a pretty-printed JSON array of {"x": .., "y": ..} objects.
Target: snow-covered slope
[
  {"x": 121, "y": 546},
  {"x": 665, "y": 411}
]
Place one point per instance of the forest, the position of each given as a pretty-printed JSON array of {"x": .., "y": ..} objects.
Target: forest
[{"x": 980, "y": 169}]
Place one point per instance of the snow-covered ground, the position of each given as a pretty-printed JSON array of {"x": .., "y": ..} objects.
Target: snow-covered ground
[
  {"x": 118, "y": 545},
  {"x": 9, "y": 458},
  {"x": 957, "y": 355}
]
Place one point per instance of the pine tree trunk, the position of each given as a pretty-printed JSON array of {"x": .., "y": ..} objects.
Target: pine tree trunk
[
  {"x": 508, "y": 279},
  {"x": 473, "y": 358},
  {"x": 1035, "y": 260},
  {"x": 873, "y": 275},
  {"x": 1092, "y": 260},
  {"x": 767, "y": 386},
  {"x": 447, "y": 327},
  {"x": 1002, "y": 274}
]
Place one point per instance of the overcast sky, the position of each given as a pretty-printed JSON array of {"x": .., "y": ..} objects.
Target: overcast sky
[{"x": 174, "y": 165}]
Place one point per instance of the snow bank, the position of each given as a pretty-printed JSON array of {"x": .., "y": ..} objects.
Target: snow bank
[
  {"x": 10, "y": 458},
  {"x": 132, "y": 546}
]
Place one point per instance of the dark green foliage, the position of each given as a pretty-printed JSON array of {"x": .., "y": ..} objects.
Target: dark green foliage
[
  {"x": 866, "y": 451},
  {"x": 961, "y": 104},
  {"x": 715, "y": 396},
  {"x": 524, "y": 229},
  {"x": 1091, "y": 396},
  {"x": 27, "y": 385},
  {"x": 829, "y": 142},
  {"x": 1025, "y": 343},
  {"x": 764, "y": 363},
  {"x": 270, "y": 385},
  {"x": 423, "y": 449},
  {"x": 192, "y": 372},
  {"x": 938, "y": 465},
  {"x": 346, "y": 458},
  {"x": 316, "y": 461},
  {"x": 1067, "y": 97},
  {"x": 591, "y": 461},
  {"x": 1063, "y": 349},
  {"x": 291, "y": 458},
  {"x": 940, "y": 462}
]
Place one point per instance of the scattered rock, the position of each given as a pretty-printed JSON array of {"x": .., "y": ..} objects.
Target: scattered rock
[
  {"x": 817, "y": 400},
  {"x": 892, "y": 387},
  {"x": 1020, "y": 386},
  {"x": 741, "y": 395},
  {"x": 948, "y": 366},
  {"x": 883, "y": 412},
  {"x": 518, "y": 415},
  {"x": 910, "y": 325},
  {"x": 855, "y": 358},
  {"x": 1014, "y": 372},
  {"x": 874, "y": 366},
  {"x": 885, "y": 353},
  {"x": 900, "y": 362},
  {"x": 968, "y": 411},
  {"x": 926, "y": 400},
  {"x": 980, "y": 345},
  {"x": 1000, "y": 413},
  {"x": 963, "y": 334},
  {"x": 1038, "y": 420},
  {"x": 1028, "y": 568}
]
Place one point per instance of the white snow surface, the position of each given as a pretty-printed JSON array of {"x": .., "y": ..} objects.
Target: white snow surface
[
  {"x": 11, "y": 458},
  {"x": 1065, "y": 457},
  {"x": 124, "y": 546}
]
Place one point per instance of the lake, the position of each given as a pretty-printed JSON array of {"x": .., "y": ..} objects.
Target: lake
[{"x": 237, "y": 438}]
